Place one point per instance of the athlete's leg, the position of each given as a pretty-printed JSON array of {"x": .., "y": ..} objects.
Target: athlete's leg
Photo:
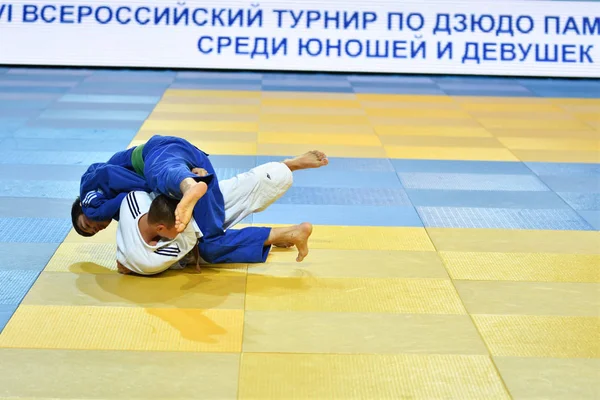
[
  {"x": 252, "y": 245},
  {"x": 255, "y": 190},
  {"x": 168, "y": 163}
]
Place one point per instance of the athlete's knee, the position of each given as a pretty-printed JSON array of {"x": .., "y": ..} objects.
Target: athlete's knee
[
  {"x": 275, "y": 174},
  {"x": 276, "y": 179}
]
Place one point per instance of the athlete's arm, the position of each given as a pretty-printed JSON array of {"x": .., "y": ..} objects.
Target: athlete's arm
[{"x": 122, "y": 269}]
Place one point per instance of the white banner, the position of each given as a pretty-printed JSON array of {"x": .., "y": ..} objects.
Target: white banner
[{"x": 527, "y": 38}]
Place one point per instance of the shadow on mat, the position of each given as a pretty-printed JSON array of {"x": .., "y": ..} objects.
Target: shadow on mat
[{"x": 185, "y": 299}]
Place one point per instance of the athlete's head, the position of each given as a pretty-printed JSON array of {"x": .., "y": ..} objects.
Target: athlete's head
[
  {"x": 161, "y": 216},
  {"x": 82, "y": 224}
]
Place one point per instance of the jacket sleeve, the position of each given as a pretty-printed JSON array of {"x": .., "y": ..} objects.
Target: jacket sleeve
[
  {"x": 103, "y": 188},
  {"x": 101, "y": 208}
]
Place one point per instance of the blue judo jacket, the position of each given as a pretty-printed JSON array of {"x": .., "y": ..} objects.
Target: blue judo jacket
[{"x": 103, "y": 188}]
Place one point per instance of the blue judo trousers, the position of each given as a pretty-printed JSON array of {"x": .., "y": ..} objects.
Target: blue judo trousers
[{"x": 167, "y": 161}]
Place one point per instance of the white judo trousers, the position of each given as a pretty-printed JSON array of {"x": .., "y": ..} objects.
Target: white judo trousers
[{"x": 253, "y": 191}]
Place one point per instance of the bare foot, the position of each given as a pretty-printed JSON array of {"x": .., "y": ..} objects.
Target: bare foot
[
  {"x": 185, "y": 208},
  {"x": 284, "y": 245},
  {"x": 311, "y": 159},
  {"x": 300, "y": 239},
  {"x": 298, "y": 236}
]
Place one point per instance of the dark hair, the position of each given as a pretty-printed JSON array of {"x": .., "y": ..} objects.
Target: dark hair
[
  {"x": 162, "y": 211},
  {"x": 77, "y": 211}
]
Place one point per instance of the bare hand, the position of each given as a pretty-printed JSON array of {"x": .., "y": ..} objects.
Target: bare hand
[
  {"x": 200, "y": 171},
  {"x": 122, "y": 269}
]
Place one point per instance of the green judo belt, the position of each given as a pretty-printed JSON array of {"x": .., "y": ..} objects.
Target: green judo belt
[{"x": 137, "y": 160}]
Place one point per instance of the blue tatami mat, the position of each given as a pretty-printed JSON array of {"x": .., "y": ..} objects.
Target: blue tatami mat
[
  {"x": 7, "y": 122},
  {"x": 564, "y": 169},
  {"x": 103, "y": 107},
  {"x": 471, "y": 182},
  {"x": 305, "y": 82},
  {"x": 63, "y": 83},
  {"x": 486, "y": 199},
  {"x": 502, "y": 218},
  {"x": 34, "y": 230},
  {"x": 469, "y": 80},
  {"x": 306, "y": 88},
  {"x": 216, "y": 86},
  {"x": 84, "y": 124},
  {"x": 592, "y": 217},
  {"x": 64, "y": 145},
  {"x": 336, "y": 178},
  {"x": 211, "y": 81},
  {"x": 483, "y": 86},
  {"x": 6, "y": 311},
  {"x": 227, "y": 173},
  {"x": 20, "y": 112},
  {"x": 29, "y": 96},
  {"x": 123, "y": 86},
  {"x": 399, "y": 90},
  {"x": 318, "y": 76},
  {"x": 36, "y": 207},
  {"x": 134, "y": 74},
  {"x": 582, "y": 201},
  {"x": 219, "y": 75},
  {"x": 153, "y": 83},
  {"x": 15, "y": 285},
  {"x": 409, "y": 85},
  {"x": 338, "y": 215},
  {"x": 582, "y": 93},
  {"x": 39, "y": 188},
  {"x": 26, "y": 256},
  {"x": 461, "y": 167},
  {"x": 236, "y": 162},
  {"x": 346, "y": 196},
  {"x": 14, "y": 75},
  {"x": 384, "y": 79},
  {"x": 98, "y": 89},
  {"x": 488, "y": 93},
  {"x": 110, "y": 135},
  {"x": 583, "y": 184},
  {"x": 24, "y": 104},
  {"x": 107, "y": 98},
  {"x": 6, "y": 132},
  {"x": 57, "y": 73},
  {"x": 116, "y": 115},
  {"x": 558, "y": 83},
  {"x": 28, "y": 157},
  {"x": 32, "y": 89}
]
